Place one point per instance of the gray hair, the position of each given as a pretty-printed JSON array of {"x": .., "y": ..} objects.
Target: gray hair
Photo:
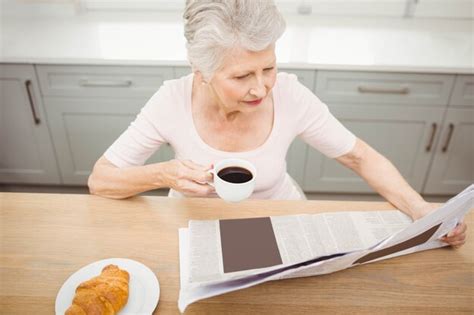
[{"x": 213, "y": 27}]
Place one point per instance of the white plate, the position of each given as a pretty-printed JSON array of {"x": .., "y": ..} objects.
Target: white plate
[{"x": 144, "y": 288}]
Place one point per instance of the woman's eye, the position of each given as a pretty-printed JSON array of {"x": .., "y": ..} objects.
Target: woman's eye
[
  {"x": 242, "y": 76},
  {"x": 268, "y": 69}
]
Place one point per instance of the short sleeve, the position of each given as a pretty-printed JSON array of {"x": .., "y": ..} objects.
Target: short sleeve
[
  {"x": 142, "y": 138},
  {"x": 317, "y": 126}
]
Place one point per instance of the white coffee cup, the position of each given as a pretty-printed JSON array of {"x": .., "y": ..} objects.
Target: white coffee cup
[{"x": 233, "y": 191}]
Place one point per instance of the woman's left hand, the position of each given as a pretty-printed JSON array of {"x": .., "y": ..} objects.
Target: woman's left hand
[{"x": 456, "y": 237}]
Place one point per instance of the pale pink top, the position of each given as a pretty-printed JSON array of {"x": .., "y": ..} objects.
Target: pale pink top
[{"x": 167, "y": 118}]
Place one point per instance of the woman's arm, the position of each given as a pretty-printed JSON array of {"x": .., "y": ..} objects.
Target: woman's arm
[
  {"x": 385, "y": 179},
  {"x": 109, "y": 181}
]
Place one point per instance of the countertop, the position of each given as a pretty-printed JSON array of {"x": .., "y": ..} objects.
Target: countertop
[
  {"x": 399, "y": 45},
  {"x": 47, "y": 237}
]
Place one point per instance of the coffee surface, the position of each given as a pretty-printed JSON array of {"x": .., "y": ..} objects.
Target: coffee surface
[{"x": 235, "y": 174}]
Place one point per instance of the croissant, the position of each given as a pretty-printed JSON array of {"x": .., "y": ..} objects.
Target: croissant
[{"x": 105, "y": 294}]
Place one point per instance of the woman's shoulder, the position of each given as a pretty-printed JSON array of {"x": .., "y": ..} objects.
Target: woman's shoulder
[
  {"x": 171, "y": 96},
  {"x": 179, "y": 85},
  {"x": 166, "y": 107},
  {"x": 295, "y": 98},
  {"x": 290, "y": 90},
  {"x": 284, "y": 78},
  {"x": 177, "y": 88},
  {"x": 289, "y": 86}
]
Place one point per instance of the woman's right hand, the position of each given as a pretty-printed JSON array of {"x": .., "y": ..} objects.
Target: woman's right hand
[{"x": 188, "y": 178}]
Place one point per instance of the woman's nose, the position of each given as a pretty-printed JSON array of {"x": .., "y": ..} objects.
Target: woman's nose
[{"x": 258, "y": 90}]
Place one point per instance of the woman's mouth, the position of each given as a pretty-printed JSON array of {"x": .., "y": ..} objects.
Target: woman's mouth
[{"x": 255, "y": 102}]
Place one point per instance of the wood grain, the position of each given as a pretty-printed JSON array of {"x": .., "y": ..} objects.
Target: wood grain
[{"x": 47, "y": 237}]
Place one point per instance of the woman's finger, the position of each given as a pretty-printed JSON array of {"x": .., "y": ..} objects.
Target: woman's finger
[
  {"x": 194, "y": 189},
  {"x": 455, "y": 238},
  {"x": 200, "y": 177},
  {"x": 457, "y": 244},
  {"x": 463, "y": 227},
  {"x": 455, "y": 241},
  {"x": 459, "y": 229},
  {"x": 196, "y": 172}
]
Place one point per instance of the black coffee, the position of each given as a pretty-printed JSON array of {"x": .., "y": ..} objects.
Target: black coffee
[{"x": 235, "y": 174}]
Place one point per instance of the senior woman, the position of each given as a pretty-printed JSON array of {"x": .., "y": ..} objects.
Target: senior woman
[{"x": 235, "y": 104}]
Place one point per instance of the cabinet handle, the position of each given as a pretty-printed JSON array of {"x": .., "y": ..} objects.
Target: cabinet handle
[
  {"x": 377, "y": 90},
  {"x": 32, "y": 104},
  {"x": 434, "y": 126},
  {"x": 105, "y": 83},
  {"x": 448, "y": 139}
]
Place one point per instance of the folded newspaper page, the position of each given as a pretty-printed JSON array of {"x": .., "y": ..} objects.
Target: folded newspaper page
[{"x": 221, "y": 256}]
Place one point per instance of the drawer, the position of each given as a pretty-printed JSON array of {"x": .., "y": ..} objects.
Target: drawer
[
  {"x": 463, "y": 93},
  {"x": 384, "y": 88},
  {"x": 102, "y": 81}
]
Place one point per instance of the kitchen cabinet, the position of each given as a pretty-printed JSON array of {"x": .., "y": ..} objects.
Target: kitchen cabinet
[
  {"x": 463, "y": 92},
  {"x": 452, "y": 168},
  {"x": 26, "y": 150},
  {"x": 406, "y": 137},
  {"x": 101, "y": 82},
  {"x": 58, "y": 120},
  {"x": 83, "y": 129},
  {"x": 89, "y": 107},
  {"x": 296, "y": 160},
  {"x": 400, "y": 115},
  {"x": 380, "y": 88}
]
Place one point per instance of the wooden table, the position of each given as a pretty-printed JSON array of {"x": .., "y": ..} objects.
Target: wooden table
[{"x": 47, "y": 237}]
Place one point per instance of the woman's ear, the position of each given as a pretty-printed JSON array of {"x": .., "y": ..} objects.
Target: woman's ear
[{"x": 200, "y": 78}]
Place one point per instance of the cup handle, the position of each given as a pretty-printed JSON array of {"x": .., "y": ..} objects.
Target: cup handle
[{"x": 213, "y": 174}]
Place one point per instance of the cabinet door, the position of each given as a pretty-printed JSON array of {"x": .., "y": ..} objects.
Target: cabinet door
[
  {"x": 26, "y": 151},
  {"x": 296, "y": 159},
  {"x": 83, "y": 129},
  {"x": 452, "y": 169},
  {"x": 402, "y": 135}
]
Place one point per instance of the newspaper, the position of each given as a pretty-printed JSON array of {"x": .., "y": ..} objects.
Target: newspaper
[{"x": 214, "y": 261}]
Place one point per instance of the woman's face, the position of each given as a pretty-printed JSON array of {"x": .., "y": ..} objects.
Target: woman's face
[{"x": 244, "y": 82}]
